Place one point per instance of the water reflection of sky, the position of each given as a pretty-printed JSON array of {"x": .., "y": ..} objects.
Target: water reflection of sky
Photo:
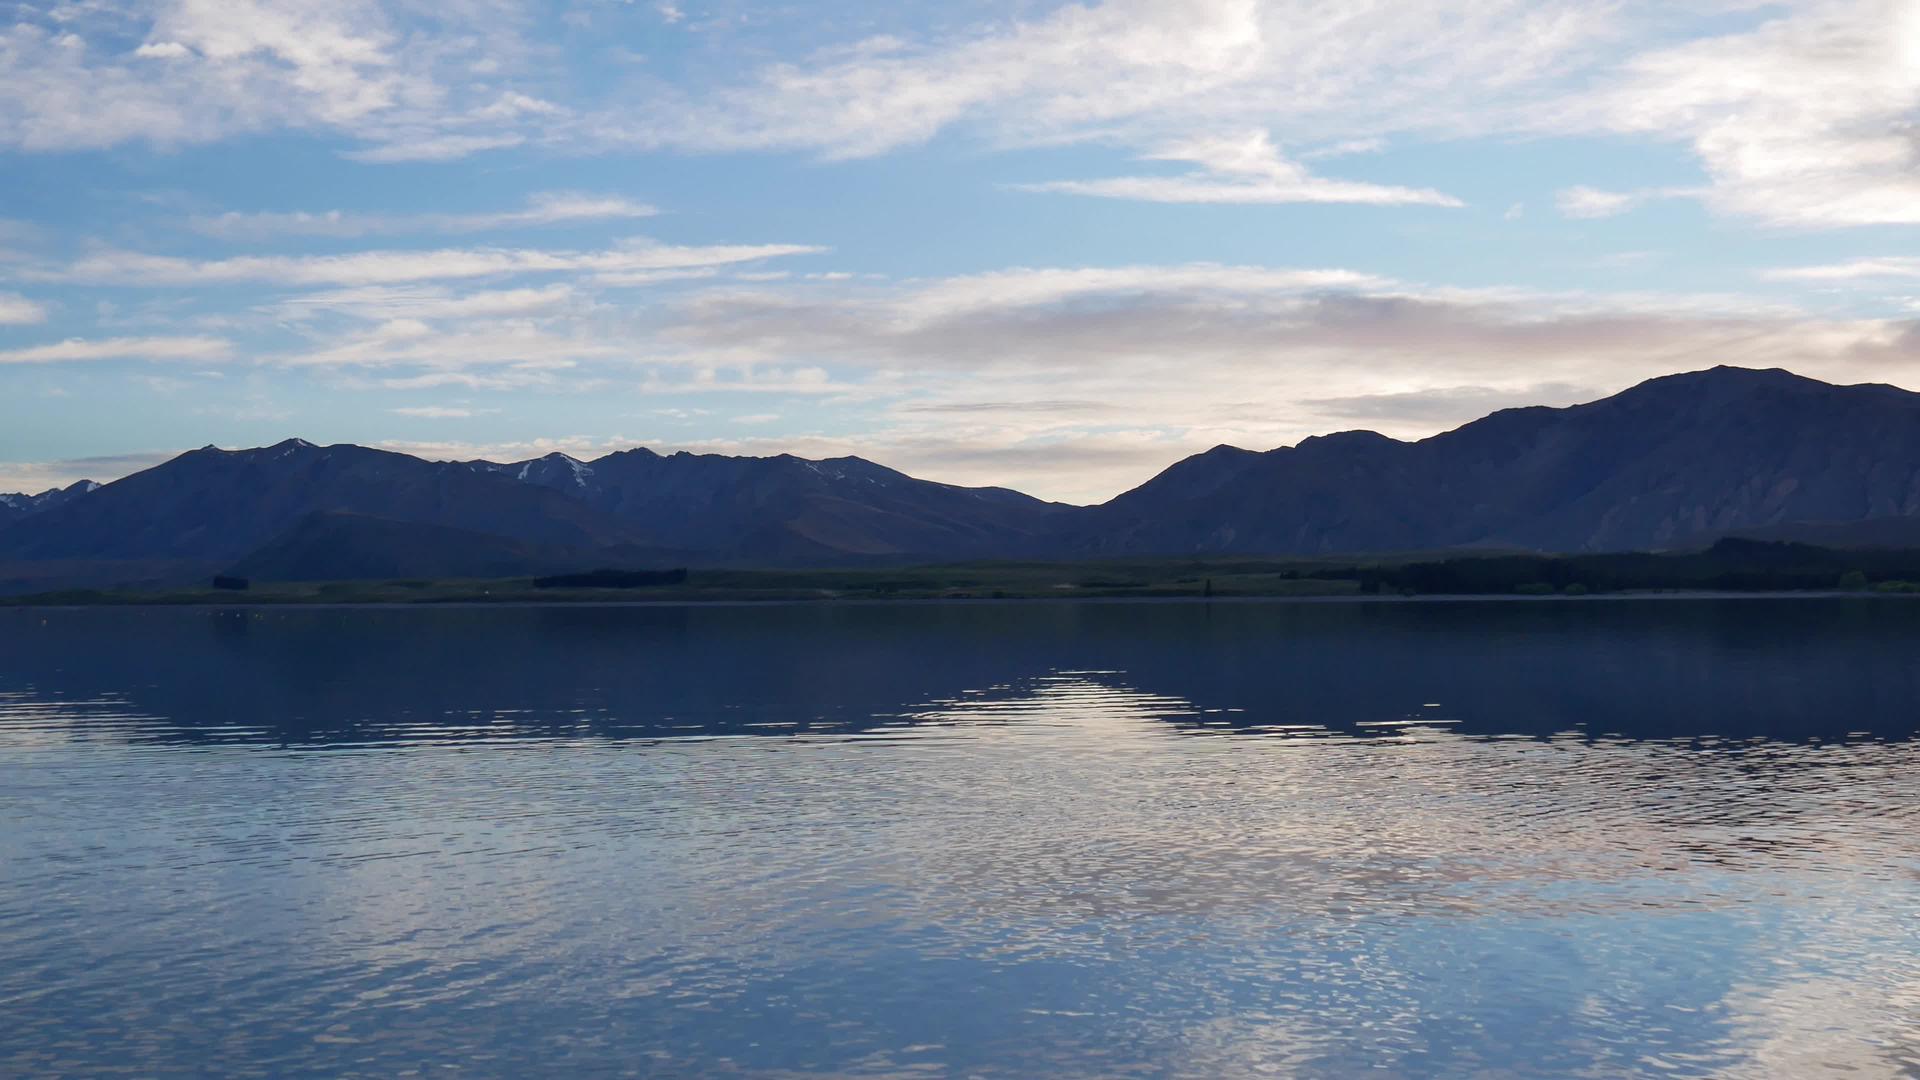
[{"x": 632, "y": 865}]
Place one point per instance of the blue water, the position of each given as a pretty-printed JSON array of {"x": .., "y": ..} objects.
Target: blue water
[{"x": 1503, "y": 839}]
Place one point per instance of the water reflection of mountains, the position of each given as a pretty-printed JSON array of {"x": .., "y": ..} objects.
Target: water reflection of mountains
[{"x": 1773, "y": 668}]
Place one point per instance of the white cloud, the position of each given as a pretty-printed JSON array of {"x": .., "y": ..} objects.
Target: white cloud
[
  {"x": 1800, "y": 114},
  {"x": 1345, "y": 148},
  {"x": 1586, "y": 202},
  {"x": 1245, "y": 168},
  {"x": 1806, "y": 120},
  {"x": 162, "y": 50},
  {"x": 230, "y": 66},
  {"x": 1854, "y": 270},
  {"x": 439, "y": 412},
  {"x": 17, "y": 310},
  {"x": 1140, "y": 72},
  {"x": 126, "y": 348},
  {"x": 514, "y": 104},
  {"x": 433, "y": 148},
  {"x": 382, "y": 303},
  {"x": 545, "y": 208},
  {"x": 37, "y": 476},
  {"x": 406, "y": 78},
  {"x": 1026, "y": 377},
  {"x": 1581, "y": 201},
  {"x": 395, "y": 267}
]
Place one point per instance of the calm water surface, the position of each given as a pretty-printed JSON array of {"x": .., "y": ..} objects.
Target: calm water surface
[{"x": 1603, "y": 838}]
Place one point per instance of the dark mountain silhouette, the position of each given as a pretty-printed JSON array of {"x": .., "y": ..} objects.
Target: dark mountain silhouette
[
  {"x": 15, "y": 506},
  {"x": 1867, "y": 534},
  {"x": 786, "y": 509},
  {"x": 329, "y": 545},
  {"x": 296, "y": 511},
  {"x": 219, "y": 505},
  {"x": 1672, "y": 462}
]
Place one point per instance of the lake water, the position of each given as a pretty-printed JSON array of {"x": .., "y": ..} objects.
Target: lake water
[{"x": 1564, "y": 838}]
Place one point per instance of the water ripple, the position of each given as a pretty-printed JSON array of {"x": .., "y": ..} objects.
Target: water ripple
[{"x": 1060, "y": 867}]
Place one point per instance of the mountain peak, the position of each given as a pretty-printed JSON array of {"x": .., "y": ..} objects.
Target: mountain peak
[
  {"x": 1348, "y": 440},
  {"x": 1731, "y": 377}
]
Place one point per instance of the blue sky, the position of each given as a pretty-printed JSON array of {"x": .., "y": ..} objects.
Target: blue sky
[{"x": 1051, "y": 246}]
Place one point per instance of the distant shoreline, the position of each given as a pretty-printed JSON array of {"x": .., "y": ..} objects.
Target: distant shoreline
[
  {"x": 136, "y": 600},
  {"x": 1729, "y": 568}
]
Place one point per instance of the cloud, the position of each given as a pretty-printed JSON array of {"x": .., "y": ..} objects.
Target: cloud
[
  {"x": 206, "y": 70},
  {"x": 533, "y": 352},
  {"x": 439, "y": 412},
  {"x": 546, "y": 208},
  {"x": 433, "y": 148},
  {"x": 36, "y": 476},
  {"x": 381, "y": 303},
  {"x": 1799, "y": 115},
  {"x": 1446, "y": 404},
  {"x": 1805, "y": 120},
  {"x": 415, "y": 81},
  {"x": 1854, "y": 270},
  {"x": 17, "y": 310},
  {"x": 125, "y": 348},
  {"x": 1029, "y": 377},
  {"x": 1586, "y": 202},
  {"x": 396, "y": 267},
  {"x": 1241, "y": 169},
  {"x": 1138, "y": 72},
  {"x": 162, "y": 50}
]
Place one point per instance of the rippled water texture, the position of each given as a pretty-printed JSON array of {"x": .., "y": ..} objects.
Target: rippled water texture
[{"x": 1594, "y": 838}]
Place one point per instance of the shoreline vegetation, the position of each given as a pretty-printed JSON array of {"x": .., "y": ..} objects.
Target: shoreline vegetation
[{"x": 1729, "y": 567}]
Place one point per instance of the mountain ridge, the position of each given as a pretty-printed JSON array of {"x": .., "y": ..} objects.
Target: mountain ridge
[{"x": 1673, "y": 461}]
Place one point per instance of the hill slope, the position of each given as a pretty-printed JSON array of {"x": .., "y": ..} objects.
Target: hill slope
[
  {"x": 17, "y": 505},
  {"x": 1668, "y": 463},
  {"x": 330, "y": 545},
  {"x": 219, "y": 505},
  {"x": 786, "y": 509}
]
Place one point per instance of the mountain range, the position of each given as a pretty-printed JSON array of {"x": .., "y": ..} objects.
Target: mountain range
[{"x": 1673, "y": 462}]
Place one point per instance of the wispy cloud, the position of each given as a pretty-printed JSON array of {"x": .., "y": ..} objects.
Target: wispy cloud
[
  {"x": 1805, "y": 120},
  {"x": 383, "y": 303},
  {"x": 547, "y": 208},
  {"x": 1025, "y": 376},
  {"x": 395, "y": 267},
  {"x": 439, "y": 412},
  {"x": 1242, "y": 169},
  {"x": 37, "y": 476},
  {"x": 17, "y": 310},
  {"x": 1900, "y": 266},
  {"x": 1585, "y": 202},
  {"x": 433, "y": 148},
  {"x": 125, "y": 348}
]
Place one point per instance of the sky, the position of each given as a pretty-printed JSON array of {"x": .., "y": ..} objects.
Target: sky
[{"x": 1049, "y": 246}]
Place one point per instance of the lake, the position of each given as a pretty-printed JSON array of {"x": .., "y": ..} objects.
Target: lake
[{"x": 1672, "y": 837}]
